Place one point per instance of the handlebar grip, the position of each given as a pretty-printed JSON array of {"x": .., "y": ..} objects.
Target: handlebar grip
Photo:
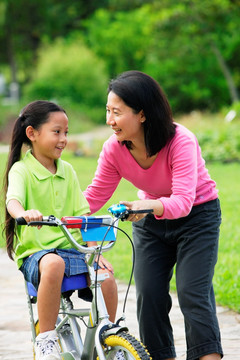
[
  {"x": 46, "y": 220},
  {"x": 144, "y": 211},
  {"x": 21, "y": 221}
]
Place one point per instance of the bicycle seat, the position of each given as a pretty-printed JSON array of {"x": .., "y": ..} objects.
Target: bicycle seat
[{"x": 74, "y": 282}]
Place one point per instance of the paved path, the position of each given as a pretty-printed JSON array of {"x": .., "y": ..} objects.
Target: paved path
[{"x": 15, "y": 339}]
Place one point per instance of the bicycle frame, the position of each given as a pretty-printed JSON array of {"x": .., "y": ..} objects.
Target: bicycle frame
[
  {"x": 67, "y": 325},
  {"x": 94, "y": 331}
]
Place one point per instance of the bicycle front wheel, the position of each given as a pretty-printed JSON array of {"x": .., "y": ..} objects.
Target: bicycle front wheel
[{"x": 124, "y": 346}]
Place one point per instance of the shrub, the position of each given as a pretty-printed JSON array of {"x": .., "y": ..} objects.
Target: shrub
[
  {"x": 72, "y": 72},
  {"x": 221, "y": 144}
]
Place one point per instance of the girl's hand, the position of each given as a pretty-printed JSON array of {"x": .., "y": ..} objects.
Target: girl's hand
[
  {"x": 32, "y": 215},
  {"x": 104, "y": 264},
  {"x": 156, "y": 205},
  {"x": 16, "y": 210}
]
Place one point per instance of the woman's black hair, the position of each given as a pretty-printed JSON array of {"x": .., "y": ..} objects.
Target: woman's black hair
[
  {"x": 35, "y": 114},
  {"x": 141, "y": 92}
]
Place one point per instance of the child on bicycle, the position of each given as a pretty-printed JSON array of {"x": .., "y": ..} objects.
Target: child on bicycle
[{"x": 43, "y": 184}]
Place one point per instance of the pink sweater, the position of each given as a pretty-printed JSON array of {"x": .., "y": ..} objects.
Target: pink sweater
[{"x": 178, "y": 176}]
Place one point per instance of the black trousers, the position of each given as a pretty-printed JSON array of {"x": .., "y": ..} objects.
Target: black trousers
[{"x": 192, "y": 244}]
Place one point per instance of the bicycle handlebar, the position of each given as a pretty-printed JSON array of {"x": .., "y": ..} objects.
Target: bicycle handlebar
[
  {"x": 64, "y": 225},
  {"x": 119, "y": 211},
  {"x": 47, "y": 220}
]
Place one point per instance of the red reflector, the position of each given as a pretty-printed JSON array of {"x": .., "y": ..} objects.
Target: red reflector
[{"x": 72, "y": 222}]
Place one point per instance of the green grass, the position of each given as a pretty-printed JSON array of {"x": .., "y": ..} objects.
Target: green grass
[{"x": 227, "y": 272}]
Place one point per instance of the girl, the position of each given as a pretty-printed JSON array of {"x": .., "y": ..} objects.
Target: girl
[{"x": 42, "y": 184}]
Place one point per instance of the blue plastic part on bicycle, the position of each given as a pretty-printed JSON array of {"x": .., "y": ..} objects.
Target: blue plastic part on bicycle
[
  {"x": 95, "y": 228},
  {"x": 74, "y": 282},
  {"x": 117, "y": 209}
]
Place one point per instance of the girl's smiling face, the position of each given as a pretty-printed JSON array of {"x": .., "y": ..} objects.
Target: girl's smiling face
[
  {"x": 50, "y": 139},
  {"x": 126, "y": 124}
]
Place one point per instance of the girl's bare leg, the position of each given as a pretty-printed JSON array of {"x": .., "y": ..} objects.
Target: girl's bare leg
[
  {"x": 51, "y": 268},
  {"x": 109, "y": 289}
]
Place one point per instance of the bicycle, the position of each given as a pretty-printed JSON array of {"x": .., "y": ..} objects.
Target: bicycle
[{"x": 103, "y": 339}]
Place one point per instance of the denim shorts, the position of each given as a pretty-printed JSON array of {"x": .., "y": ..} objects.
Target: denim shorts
[{"x": 74, "y": 264}]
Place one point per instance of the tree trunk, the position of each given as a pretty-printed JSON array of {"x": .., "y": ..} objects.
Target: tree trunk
[
  {"x": 226, "y": 72},
  {"x": 10, "y": 45}
]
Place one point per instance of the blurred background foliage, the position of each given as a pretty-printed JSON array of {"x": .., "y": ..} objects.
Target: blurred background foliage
[
  {"x": 73, "y": 73},
  {"x": 69, "y": 50}
]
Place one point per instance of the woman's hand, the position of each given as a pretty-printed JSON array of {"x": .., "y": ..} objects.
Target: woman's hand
[{"x": 156, "y": 205}]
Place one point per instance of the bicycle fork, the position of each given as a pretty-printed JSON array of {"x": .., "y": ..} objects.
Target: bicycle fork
[
  {"x": 98, "y": 318},
  {"x": 99, "y": 324}
]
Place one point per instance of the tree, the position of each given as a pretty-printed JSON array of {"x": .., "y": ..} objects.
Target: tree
[
  {"x": 207, "y": 29},
  {"x": 25, "y": 24},
  {"x": 69, "y": 72},
  {"x": 120, "y": 38},
  {"x": 190, "y": 47}
]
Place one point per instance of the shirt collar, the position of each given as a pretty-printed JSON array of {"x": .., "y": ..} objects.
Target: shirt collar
[{"x": 39, "y": 170}]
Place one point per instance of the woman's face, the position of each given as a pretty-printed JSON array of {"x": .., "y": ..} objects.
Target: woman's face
[{"x": 127, "y": 125}]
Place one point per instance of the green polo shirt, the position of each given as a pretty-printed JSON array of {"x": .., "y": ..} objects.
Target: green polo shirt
[{"x": 58, "y": 194}]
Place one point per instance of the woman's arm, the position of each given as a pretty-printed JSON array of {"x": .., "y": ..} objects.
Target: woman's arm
[
  {"x": 106, "y": 179},
  {"x": 155, "y": 205}
]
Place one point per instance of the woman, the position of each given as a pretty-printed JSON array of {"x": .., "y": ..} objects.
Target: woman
[{"x": 163, "y": 160}]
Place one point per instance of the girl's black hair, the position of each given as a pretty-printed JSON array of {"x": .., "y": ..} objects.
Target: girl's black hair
[
  {"x": 141, "y": 92},
  {"x": 35, "y": 114}
]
